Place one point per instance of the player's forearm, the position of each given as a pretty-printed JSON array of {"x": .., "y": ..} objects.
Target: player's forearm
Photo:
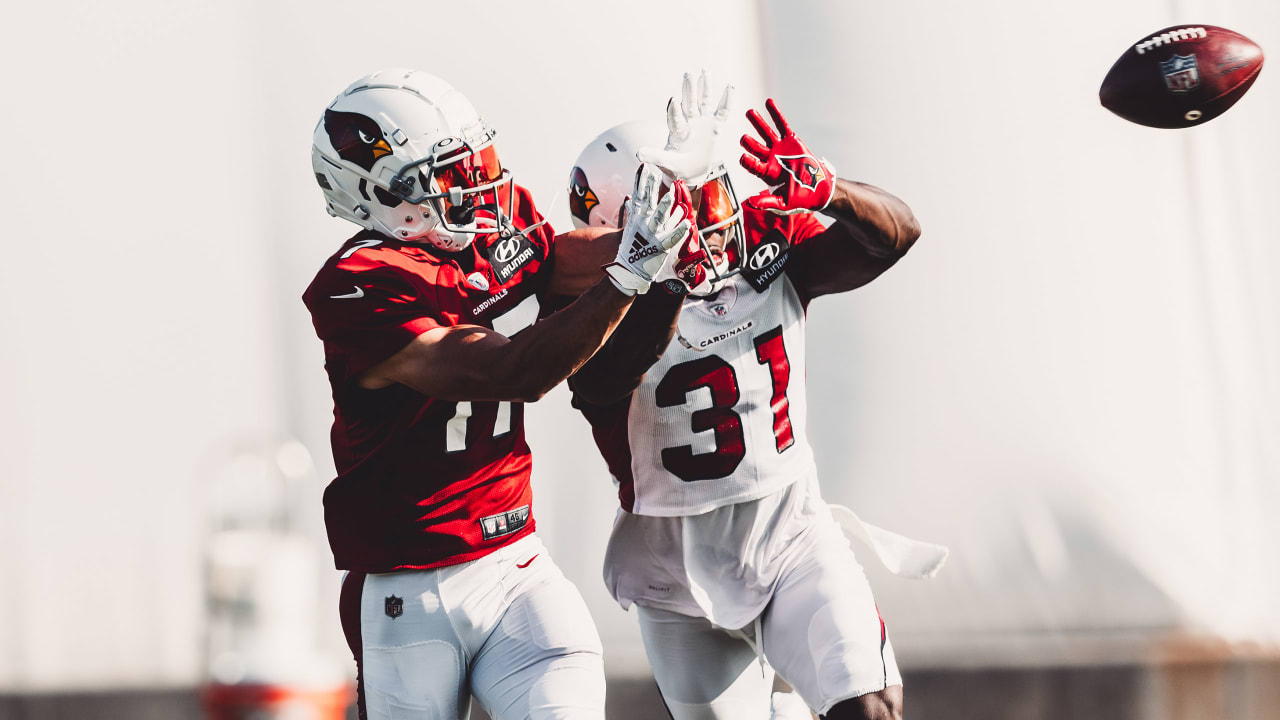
[
  {"x": 578, "y": 256},
  {"x": 875, "y": 219},
  {"x": 542, "y": 356},
  {"x": 641, "y": 338}
]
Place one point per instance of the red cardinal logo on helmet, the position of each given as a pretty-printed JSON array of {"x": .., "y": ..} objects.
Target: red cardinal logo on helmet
[
  {"x": 581, "y": 198},
  {"x": 357, "y": 138}
]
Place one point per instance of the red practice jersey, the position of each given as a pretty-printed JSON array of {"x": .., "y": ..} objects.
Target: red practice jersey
[{"x": 423, "y": 482}]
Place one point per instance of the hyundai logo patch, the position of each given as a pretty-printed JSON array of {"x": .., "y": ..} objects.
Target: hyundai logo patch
[
  {"x": 766, "y": 261},
  {"x": 509, "y": 255}
]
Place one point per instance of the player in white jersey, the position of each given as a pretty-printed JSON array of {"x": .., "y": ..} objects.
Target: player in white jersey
[{"x": 723, "y": 541}]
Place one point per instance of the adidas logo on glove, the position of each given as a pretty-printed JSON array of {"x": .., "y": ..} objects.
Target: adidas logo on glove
[{"x": 641, "y": 249}]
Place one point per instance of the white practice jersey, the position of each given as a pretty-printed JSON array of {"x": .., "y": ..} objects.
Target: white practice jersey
[
  {"x": 720, "y": 418},
  {"x": 715, "y": 475}
]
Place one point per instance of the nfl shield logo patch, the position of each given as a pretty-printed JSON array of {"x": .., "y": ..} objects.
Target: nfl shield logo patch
[
  {"x": 1181, "y": 73},
  {"x": 394, "y": 607}
]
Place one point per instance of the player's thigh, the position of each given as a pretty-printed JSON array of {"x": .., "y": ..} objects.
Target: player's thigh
[
  {"x": 412, "y": 664},
  {"x": 543, "y": 660},
  {"x": 823, "y": 632},
  {"x": 704, "y": 672}
]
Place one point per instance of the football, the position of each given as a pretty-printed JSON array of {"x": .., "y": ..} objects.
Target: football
[{"x": 1181, "y": 76}]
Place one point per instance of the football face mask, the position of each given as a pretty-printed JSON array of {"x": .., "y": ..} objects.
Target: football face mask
[
  {"x": 716, "y": 210},
  {"x": 467, "y": 186}
]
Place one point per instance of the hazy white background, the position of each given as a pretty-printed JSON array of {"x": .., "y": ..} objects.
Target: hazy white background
[{"x": 1071, "y": 380}]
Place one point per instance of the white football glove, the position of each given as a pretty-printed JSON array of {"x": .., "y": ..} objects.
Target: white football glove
[
  {"x": 694, "y": 133},
  {"x": 654, "y": 227}
]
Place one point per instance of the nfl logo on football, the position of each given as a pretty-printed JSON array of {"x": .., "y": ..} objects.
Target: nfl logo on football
[{"x": 1181, "y": 74}]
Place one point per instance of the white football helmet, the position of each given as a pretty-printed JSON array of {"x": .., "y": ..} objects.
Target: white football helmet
[
  {"x": 605, "y": 172},
  {"x": 404, "y": 153}
]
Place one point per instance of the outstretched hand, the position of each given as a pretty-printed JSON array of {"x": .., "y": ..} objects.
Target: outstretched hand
[
  {"x": 654, "y": 227},
  {"x": 693, "y": 132},
  {"x": 798, "y": 180}
]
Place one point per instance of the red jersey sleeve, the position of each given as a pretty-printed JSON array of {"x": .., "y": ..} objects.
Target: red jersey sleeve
[
  {"x": 542, "y": 237},
  {"x": 802, "y": 227},
  {"x": 825, "y": 265},
  {"x": 366, "y": 314},
  {"x": 773, "y": 245}
]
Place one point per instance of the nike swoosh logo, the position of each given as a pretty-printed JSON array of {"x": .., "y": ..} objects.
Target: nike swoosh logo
[
  {"x": 359, "y": 293},
  {"x": 526, "y": 562}
]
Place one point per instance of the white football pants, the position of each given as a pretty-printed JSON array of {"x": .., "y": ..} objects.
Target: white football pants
[
  {"x": 821, "y": 631},
  {"x": 507, "y": 629}
]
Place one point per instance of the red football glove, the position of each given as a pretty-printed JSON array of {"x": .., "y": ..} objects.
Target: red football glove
[
  {"x": 684, "y": 270},
  {"x": 798, "y": 180},
  {"x": 687, "y": 272}
]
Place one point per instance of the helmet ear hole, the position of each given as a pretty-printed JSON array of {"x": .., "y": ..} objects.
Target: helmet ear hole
[{"x": 385, "y": 197}]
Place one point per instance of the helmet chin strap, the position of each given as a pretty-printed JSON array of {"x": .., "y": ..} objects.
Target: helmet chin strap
[
  {"x": 459, "y": 230},
  {"x": 460, "y": 217},
  {"x": 465, "y": 214},
  {"x": 452, "y": 241},
  {"x": 720, "y": 273},
  {"x": 722, "y": 267},
  {"x": 447, "y": 241}
]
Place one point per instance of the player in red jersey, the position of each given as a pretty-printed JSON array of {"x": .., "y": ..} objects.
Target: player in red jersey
[
  {"x": 429, "y": 318},
  {"x": 723, "y": 541}
]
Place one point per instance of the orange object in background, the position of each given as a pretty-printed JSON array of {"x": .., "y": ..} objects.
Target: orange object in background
[
  {"x": 275, "y": 702},
  {"x": 265, "y": 658}
]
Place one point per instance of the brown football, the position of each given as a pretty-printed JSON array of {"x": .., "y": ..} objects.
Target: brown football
[{"x": 1181, "y": 76}]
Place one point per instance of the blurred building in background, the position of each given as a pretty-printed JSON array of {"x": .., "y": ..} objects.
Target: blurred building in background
[{"x": 1073, "y": 380}]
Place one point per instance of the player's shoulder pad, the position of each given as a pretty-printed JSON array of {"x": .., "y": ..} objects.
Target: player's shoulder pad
[
  {"x": 526, "y": 214},
  {"x": 370, "y": 261},
  {"x": 370, "y": 250}
]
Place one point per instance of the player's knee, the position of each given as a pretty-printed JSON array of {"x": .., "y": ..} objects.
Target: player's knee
[
  {"x": 884, "y": 705},
  {"x": 714, "y": 710},
  {"x": 570, "y": 688}
]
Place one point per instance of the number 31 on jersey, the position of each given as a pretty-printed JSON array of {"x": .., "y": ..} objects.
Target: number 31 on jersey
[{"x": 718, "y": 376}]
